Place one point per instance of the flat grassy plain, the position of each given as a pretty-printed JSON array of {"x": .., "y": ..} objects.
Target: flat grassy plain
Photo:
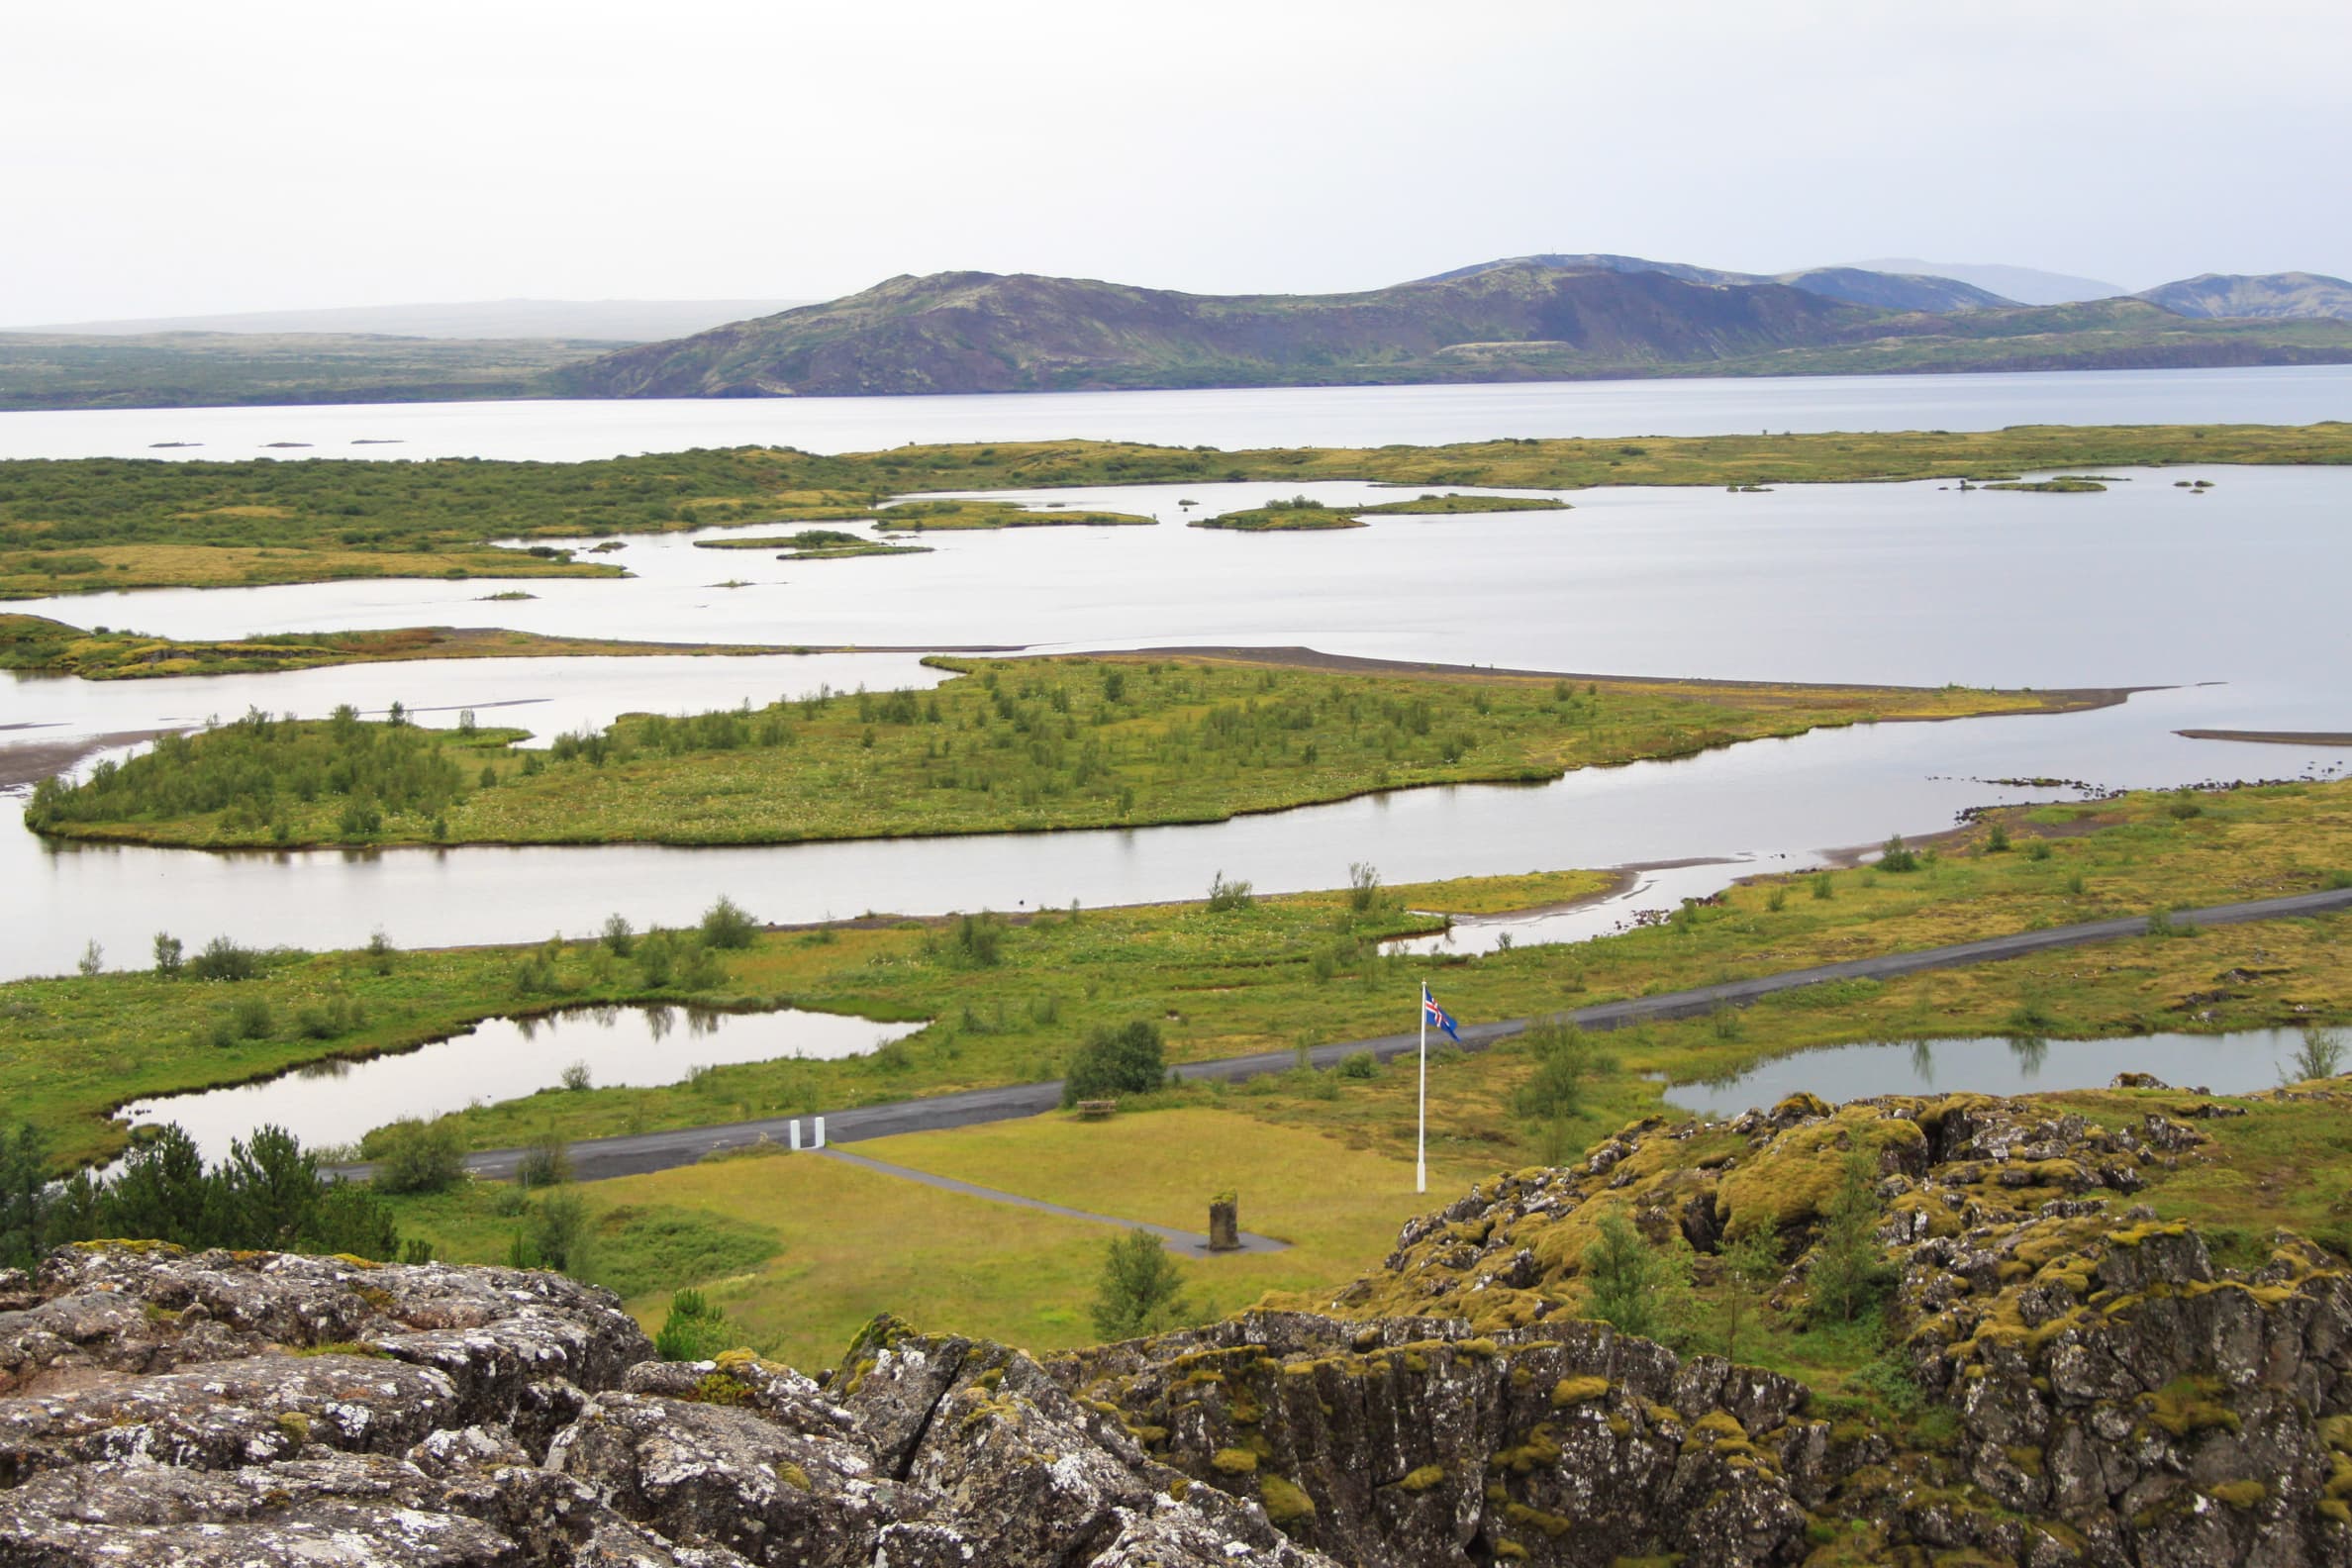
[
  {"x": 847, "y": 1242},
  {"x": 103, "y": 524},
  {"x": 1008, "y": 1001},
  {"x": 1009, "y": 745}
]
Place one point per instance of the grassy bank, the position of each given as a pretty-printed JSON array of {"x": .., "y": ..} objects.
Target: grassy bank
[
  {"x": 101, "y": 524},
  {"x": 33, "y": 642},
  {"x": 1008, "y": 1001},
  {"x": 1014, "y": 745}
]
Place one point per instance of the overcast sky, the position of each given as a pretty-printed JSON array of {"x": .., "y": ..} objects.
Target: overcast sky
[{"x": 160, "y": 159}]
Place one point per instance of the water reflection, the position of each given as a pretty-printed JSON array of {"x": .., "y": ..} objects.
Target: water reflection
[
  {"x": 2003, "y": 1064},
  {"x": 2031, "y": 1051},
  {"x": 336, "y": 1102}
]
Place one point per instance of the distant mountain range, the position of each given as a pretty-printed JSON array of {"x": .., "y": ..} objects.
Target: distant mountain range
[
  {"x": 599, "y": 321},
  {"x": 1530, "y": 318},
  {"x": 1550, "y": 316}
]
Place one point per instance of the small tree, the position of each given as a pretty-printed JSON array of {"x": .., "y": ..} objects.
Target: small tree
[
  {"x": 1848, "y": 1273},
  {"x": 1638, "y": 1287},
  {"x": 24, "y": 1197},
  {"x": 727, "y": 925},
  {"x": 1363, "y": 887},
  {"x": 223, "y": 959},
  {"x": 1114, "y": 1061},
  {"x": 93, "y": 959},
  {"x": 555, "y": 1236},
  {"x": 696, "y": 1329},
  {"x": 163, "y": 1192},
  {"x": 618, "y": 935},
  {"x": 167, "y": 956},
  {"x": 1898, "y": 856},
  {"x": 1225, "y": 895},
  {"x": 414, "y": 1156},
  {"x": 1141, "y": 1291},
  {"x": 2320, "y": 1055},
  {"x": 1750, "y": 1265},
  {"x": 270, "y": 1189},
  {"x": 351, "y": 1219},
  {"x": 547, "y": 1163},
  {"x": 1564, "y": 1059}
]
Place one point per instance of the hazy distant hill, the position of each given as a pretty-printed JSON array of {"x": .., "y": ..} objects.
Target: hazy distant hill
[
  {"x": 978, "y": 332},
  {"x": 2267, "y": 296},
  {"x": 1531, "y": 319},
  {"x": 56, "y": 370},
  {"x": 603, "y": 321},
  {"x": 1853, "y": 285},
  {"x": 2025, "y": 285}
]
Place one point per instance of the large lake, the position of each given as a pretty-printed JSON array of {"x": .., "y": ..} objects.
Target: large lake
[{"x": 561, "y": 432}]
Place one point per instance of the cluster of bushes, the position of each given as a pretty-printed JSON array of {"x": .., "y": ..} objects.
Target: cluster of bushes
[
  {"x": 1128, "y": 1059},
  {"x": 251, "y": 771},
  {"x": 268, "y": 1193}
]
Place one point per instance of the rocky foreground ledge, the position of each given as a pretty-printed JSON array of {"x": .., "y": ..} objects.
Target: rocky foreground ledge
[{"x": 2115, "y": 1399}]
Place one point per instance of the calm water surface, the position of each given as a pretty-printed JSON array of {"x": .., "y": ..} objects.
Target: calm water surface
[
  {"x": 336, "y": 1102},
  {"x": 2237, "y": 1064},
  {"x": 1911, "y": 584},
  {"x": 559, "y": 431}
]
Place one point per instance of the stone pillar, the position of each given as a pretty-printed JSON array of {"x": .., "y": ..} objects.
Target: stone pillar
[{"x": 1225, "y": 1223}]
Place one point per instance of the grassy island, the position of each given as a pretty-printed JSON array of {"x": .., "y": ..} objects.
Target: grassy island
[
  {"x": 33, "y": 642},
  {"x": 1454, "y": 505},
  {"x": 104, "y": 523},
  {"x": 1300, "y": 513},
  {"x": 812, "y": 544},
  {"x": 1008, "y": 745},
  {"x": 921, "y": 516}
]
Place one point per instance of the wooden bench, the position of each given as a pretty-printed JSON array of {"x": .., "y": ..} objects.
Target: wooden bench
[{"x": 1096, "y": 1109}]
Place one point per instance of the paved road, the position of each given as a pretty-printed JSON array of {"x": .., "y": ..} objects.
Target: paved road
[
  {"x": 597, "y": 1158},
  {"x": 1188, "y": 1241}
]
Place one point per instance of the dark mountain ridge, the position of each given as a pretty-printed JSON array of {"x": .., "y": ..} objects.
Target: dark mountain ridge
[
  {"x": 978, "y": 332},
  {"x": 1543, "y": 318}
]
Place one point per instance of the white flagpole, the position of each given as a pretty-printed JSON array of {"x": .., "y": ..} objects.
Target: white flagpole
[{"x": 1420, "y": 1137}]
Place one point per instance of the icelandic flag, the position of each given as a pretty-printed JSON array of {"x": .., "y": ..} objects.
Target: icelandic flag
[{"x": 1438, "y": 1016}]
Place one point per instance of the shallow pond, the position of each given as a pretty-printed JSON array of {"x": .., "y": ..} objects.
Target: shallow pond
[
  {"x": 336, "y": 1102},
  {"x": 2235, "y": 1063}
]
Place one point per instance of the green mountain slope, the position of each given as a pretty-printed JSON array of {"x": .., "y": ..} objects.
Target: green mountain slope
[{"x": 2273, "y": 296}]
